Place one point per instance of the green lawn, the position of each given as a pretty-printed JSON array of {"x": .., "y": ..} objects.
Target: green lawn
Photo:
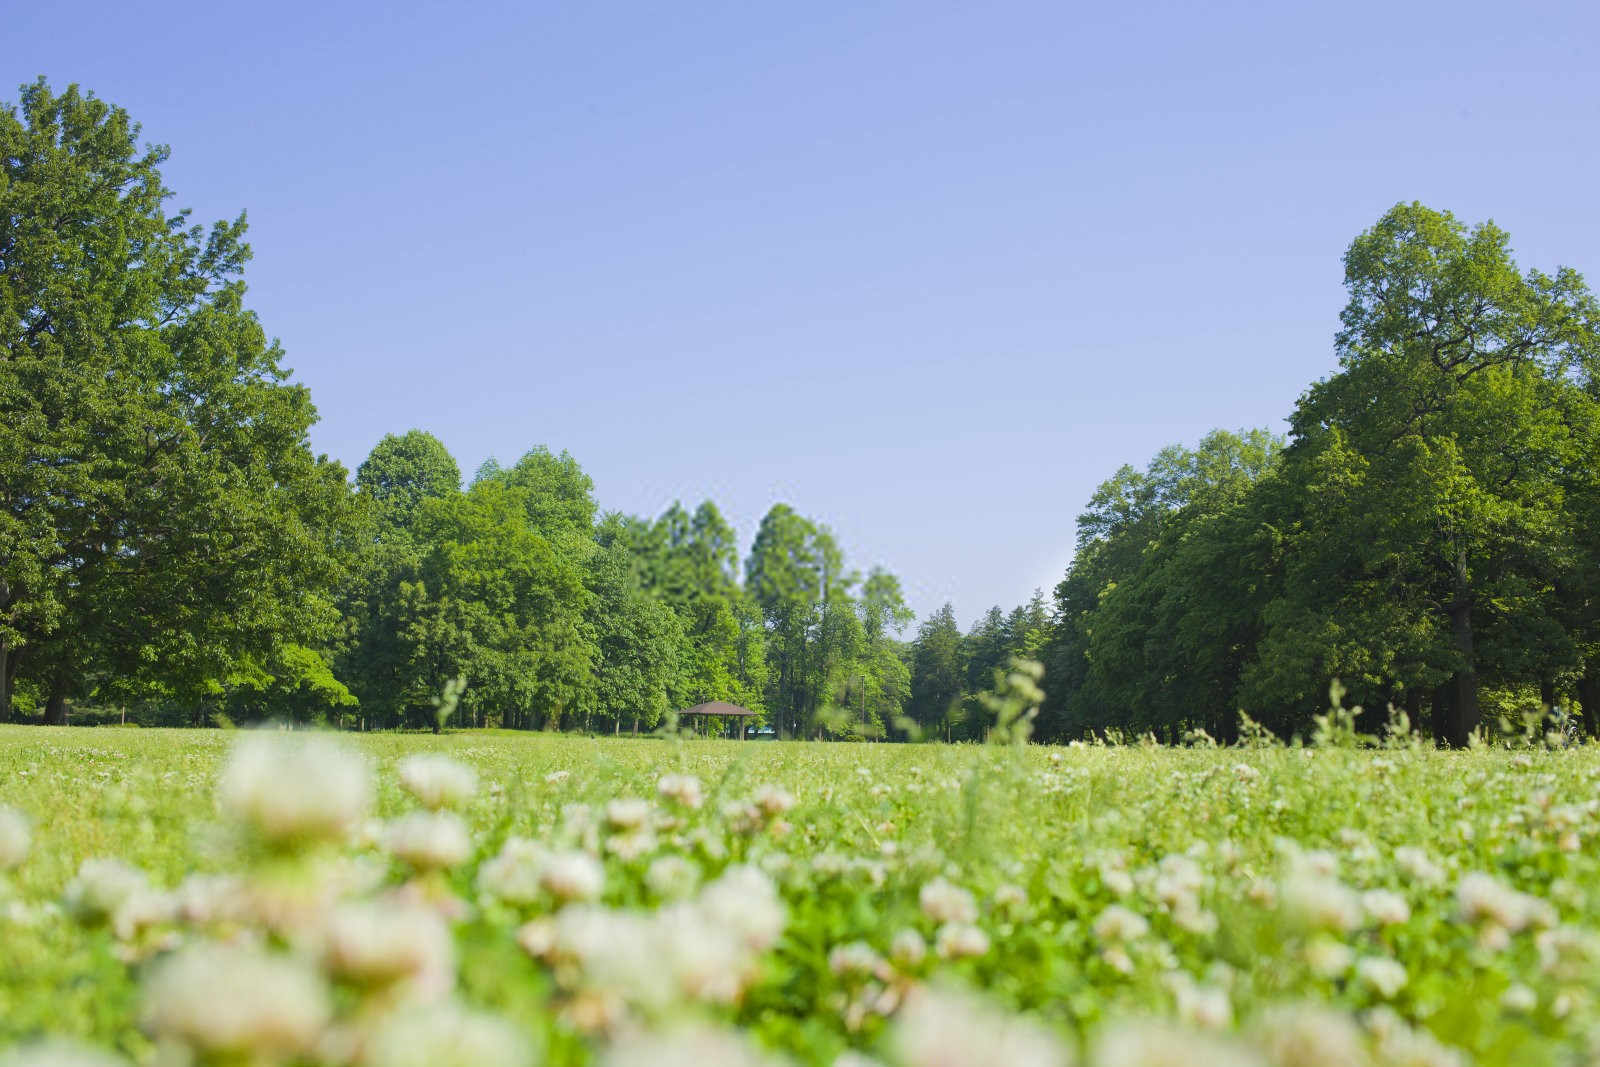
[{"x": 1095, "y": 897}]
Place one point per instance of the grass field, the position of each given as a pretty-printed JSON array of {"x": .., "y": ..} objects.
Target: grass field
[{"x": 663, "y": 901}]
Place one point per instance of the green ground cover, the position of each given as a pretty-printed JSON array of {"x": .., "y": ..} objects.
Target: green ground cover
[{"x": 915, "y": 904}]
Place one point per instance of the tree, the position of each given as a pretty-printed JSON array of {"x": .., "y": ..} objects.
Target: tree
[
  {"x": 401, "y": 472},
  {"x": 161, "y": 513},
  {"x": 1445, "y": 437},
  {"x": 938, "y": 673}
]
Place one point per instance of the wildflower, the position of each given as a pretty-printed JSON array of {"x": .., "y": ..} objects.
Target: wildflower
[
  {"x": 681, "y": 788},
  {"x": 694, "y": 1046},
  {"x": 514, "y": 874},
  {"x": 671, "y": 877},
  {"x": 55, "y": 1052},
  {"x": 438, "y": 781},
  {"x": 390, "y": 941},
  {"x": 956, "y": 940},
  {"x": 224, "y": 1000},
  {"x": 907, "y": 948},
  {"x": 1010, "y": 898},
  {"x": 573, "y": 875},
  {"x": 448, "y": 1035},
  {"x": 210, "y": 898},
  {"x": 1415, "y": 1047},
  {"x": 1519, "y": 999},
  {"x": 429, "y": 840},
  {"x": 1386, "y": 976},
  {"x": 1418, "y": 866},
  {"x": 745, "y": 900},
  {"x": 1157, "y": 1044},
  {"x": 857, "y": 958},
  {"x": 1484, "y": 899},
  {"x": 557, "y": 777},
  {"x": 15, "y": 839},
  {"x": 1386, "y": 908},
  {"x": 1567, "y": 953},
  {"x": 101, "y": 888},
  {"x": 1328, "y": 958},
  {"x": 1118, "y": 925},
  {"x": 295, "y": 789},
  {"x": 628, "y": 813},
  {"x": 773, "y": 800},
  {"x": 943, "y": 902},
  {"x": 945, "y": 1028},
  {"x": 1202, "y": 1005},
  {"x": 1307, "y": 1035},
  {"x": 1320, "y": 903}
]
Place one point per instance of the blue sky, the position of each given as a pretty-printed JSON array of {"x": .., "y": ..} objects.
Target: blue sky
[{"x": 926, "y": 272}]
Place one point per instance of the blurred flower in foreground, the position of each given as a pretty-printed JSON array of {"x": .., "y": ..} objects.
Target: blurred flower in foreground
[{"x": 291, "y": 788}]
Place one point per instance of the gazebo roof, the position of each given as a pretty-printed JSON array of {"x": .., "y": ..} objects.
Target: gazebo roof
[{"x": 718, "y": 707}]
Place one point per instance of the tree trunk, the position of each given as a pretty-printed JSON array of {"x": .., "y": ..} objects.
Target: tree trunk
[
  {"x": 1589, "y": 699},
  {"x": 1547, "y": 694},
  {"x": 1464, "y": 715},
  {"x": 55, "y": 708},
  {"x": 7, "y": 669}
]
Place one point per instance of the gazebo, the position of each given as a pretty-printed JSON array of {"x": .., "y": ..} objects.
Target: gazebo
[{"x": 720, "y": 709}]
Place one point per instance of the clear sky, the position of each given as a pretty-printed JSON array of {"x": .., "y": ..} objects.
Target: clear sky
[{"x": 927, "y": 272}]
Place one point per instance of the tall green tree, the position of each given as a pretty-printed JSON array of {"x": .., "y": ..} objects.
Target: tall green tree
[
  {"x": 1442, "y": 446},
  {"x": 161, "y": 513}
]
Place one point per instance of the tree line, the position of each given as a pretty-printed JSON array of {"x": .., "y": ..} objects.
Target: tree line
[{"x": 1428, "y": 530}]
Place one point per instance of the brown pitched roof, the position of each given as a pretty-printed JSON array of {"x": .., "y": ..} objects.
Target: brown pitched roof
[{"x": 717, "y": 707}]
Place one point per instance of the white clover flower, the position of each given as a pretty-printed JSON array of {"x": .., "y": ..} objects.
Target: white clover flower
[
  {"x": 383, "y": 942},
  {"x": 448, "y": 1035},
  {"x": 907, "y": 948},
  {"x": 221, "y": 999},
  {"x": 513, "y": 875},
  {"x": 438, "y": 781},
  {"x": 1010, "y": 898},
  {"x": 1159, "y": 1044},
  {"x": 1328, "y": 958},
  {"x": 628, "y": 813},
  {"x": 773, "y": 800},
  {"x": 1320, "y": 903},
  {"x": 1387, "y": 908},
  {"x": 57, "y": 1052},
  {"x": 1178, "y": 879},
  {"x": 692, "y": 1046},
  {"x": 946, "y": 903},
  {"x": 295, "y": 788},
  {"x": 557, "y": 777},
  {"x": 1519, "y": 1000},
  {"x": 573, "y": 875},
  {"x": 1405, "y": 1046},
  {"x": 1419, "y": 866},
  {"x": 15, "y": 838},
  {"x": 1384, "y": 975},
  {"x": 955, "y": 940},
  {"x": 1245, "y": 773},
  {"x": 142, "y": 909},
  {"x": 1309, "y": 1035},
  {"x": 1567, "y": 953},
  {"x": 682, "y": 788},
  {"x": 1484, "y": 899},
  {"x": 856, "y": 958},
  {"x": 948, "y": 1028},
  {"x": 1118, "y": 925},
  {"x": 203, "y": 899},
  {"x": 708, "y": 962},
  {"x": 631, "y": 844},
  {"x": 101, "y": 888},
  {"x": 672, "y": 877},
  {"x": 429, "y": 840},
  {"x": 746, "y": 900},
  {"x": 1205, "y": 1006}
]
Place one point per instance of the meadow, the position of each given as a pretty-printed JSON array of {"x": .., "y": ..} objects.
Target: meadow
[{"x": 232, "y": 897}]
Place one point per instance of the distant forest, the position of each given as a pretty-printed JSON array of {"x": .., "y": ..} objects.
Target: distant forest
[{"x": 173, "y": 552}]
